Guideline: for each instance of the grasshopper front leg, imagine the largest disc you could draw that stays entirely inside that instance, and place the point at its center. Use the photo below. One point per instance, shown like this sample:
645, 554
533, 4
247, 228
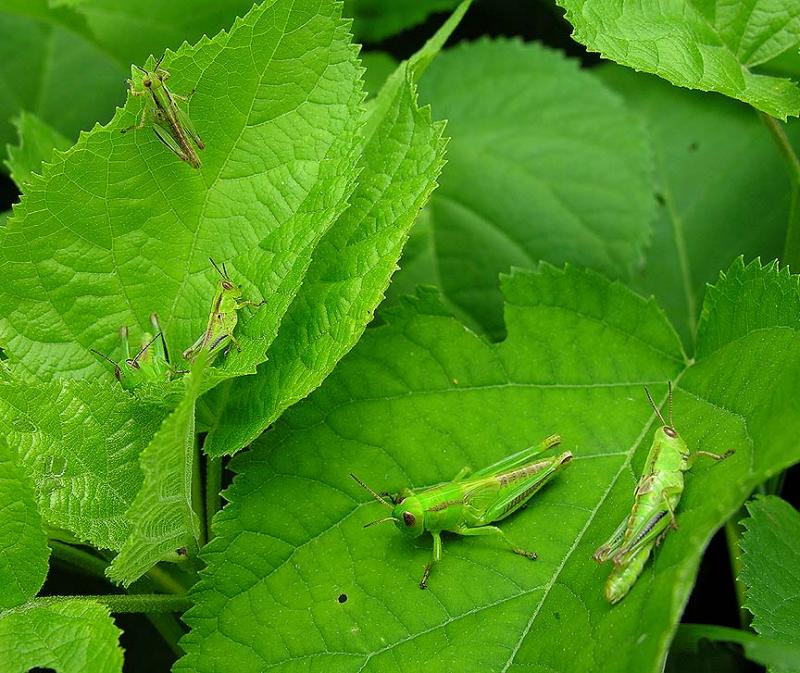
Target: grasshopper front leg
435, 558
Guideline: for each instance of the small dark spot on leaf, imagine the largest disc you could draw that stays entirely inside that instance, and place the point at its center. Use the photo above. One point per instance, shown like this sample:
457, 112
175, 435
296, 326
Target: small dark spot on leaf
660, 199
557, 615
693, 147
342, 598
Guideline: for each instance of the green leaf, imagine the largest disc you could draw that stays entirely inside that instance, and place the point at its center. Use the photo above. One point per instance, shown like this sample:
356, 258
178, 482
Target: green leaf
711, 45
295, 582
353, 263
777, 654
69, 637
770, 558
23, 544
50, 65
133, 30
162, 517
80, 441
717, 169
65, 60
36, 143
379, 19
530, 175
278, 105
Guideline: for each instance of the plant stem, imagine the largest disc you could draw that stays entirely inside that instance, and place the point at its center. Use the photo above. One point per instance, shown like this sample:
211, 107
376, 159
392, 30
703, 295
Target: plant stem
147, 603
79, 559
197, 491
213, 487
165, 581
791, 250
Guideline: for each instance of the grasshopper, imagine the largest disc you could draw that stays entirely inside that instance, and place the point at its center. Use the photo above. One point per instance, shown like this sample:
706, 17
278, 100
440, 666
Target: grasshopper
172, 125
468, 505
149, 365
223, 318
656, 498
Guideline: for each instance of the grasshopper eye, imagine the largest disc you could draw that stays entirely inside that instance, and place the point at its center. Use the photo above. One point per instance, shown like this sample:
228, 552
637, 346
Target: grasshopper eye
409, 519
669, 432
147, 82
227, 285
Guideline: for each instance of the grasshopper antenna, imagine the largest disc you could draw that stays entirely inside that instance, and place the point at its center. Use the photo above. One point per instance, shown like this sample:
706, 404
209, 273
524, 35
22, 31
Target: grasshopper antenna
373, 494
117, 370
655, 408
372, 523
669, 386
134, 361
222, 272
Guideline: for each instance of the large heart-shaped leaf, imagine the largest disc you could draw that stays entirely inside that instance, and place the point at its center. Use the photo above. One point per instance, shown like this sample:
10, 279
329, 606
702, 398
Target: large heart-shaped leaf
711, 45
544, 163
294, 581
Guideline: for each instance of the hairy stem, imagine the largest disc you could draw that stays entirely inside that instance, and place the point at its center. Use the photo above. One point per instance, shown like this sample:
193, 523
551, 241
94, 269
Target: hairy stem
146, 603
213, 487
791, 251
77, 558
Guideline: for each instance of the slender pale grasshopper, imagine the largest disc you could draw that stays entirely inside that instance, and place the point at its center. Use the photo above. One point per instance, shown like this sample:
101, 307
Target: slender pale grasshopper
656, 498
223, 318
171, 125
468, 505
149, 365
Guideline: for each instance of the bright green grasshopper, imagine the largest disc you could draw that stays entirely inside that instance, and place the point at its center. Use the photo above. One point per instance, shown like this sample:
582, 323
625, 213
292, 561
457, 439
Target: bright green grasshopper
223, 318
656, 497
469, 505
149, 365
171, 125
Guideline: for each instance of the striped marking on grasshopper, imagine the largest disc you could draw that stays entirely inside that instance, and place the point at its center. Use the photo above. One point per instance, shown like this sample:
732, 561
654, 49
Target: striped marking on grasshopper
656, 498
468, 505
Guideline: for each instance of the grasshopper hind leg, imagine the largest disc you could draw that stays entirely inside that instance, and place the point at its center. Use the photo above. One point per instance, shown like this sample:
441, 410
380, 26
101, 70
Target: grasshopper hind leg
494, 530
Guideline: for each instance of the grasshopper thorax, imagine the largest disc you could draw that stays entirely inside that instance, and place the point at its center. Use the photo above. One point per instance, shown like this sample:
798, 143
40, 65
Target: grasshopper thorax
409, 516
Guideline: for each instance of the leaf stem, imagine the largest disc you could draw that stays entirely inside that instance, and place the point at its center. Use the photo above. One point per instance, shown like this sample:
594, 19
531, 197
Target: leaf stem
791, 250
213, 487
165, 581
127, 603
197, 492
79, 559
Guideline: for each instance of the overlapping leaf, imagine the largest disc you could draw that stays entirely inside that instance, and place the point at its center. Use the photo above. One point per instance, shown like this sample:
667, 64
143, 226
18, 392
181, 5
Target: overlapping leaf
717, 170
162, 517
352, 265
23, 545
545, 163
770, 558
294, 580
71, 636
119, 227
80, 442
378, 19
712, 45
35, 145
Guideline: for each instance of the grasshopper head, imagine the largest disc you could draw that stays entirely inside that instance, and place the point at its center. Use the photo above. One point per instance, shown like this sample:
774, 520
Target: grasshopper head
226, 285
409, 516
669, 435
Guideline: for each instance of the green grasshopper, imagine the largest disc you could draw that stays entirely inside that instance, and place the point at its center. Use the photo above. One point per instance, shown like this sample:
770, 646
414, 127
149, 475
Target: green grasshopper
149, 365
656, 497
172, 125
223, 318
468, 505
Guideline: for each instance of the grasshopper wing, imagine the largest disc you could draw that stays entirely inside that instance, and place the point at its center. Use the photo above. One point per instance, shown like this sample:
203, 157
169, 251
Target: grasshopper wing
479, 497
516, 459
